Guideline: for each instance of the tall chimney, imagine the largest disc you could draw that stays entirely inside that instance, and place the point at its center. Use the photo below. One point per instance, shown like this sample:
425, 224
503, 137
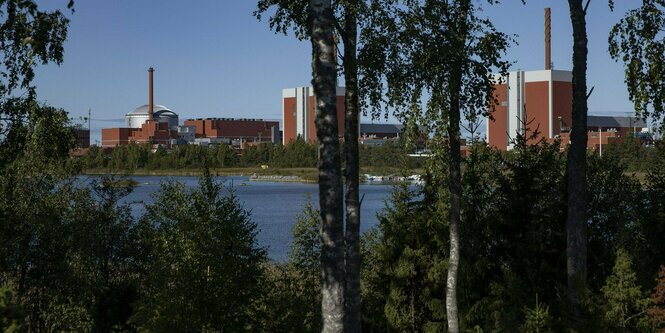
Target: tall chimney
151, 105
548, 40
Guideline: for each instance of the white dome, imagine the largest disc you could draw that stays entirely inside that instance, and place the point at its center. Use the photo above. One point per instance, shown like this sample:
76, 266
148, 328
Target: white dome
161, 114
143, 109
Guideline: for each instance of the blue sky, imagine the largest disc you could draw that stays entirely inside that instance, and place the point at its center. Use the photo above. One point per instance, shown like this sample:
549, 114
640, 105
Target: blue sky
214, 59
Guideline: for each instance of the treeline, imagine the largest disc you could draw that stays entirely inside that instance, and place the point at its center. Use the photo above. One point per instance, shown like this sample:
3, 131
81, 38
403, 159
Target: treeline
634, 154
298, 154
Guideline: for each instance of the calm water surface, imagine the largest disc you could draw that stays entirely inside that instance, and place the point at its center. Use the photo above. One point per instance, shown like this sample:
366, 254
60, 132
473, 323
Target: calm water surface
273, 206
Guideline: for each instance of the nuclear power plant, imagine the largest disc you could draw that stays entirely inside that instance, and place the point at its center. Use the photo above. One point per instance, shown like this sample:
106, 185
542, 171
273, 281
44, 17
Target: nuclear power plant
158, 125
540, 102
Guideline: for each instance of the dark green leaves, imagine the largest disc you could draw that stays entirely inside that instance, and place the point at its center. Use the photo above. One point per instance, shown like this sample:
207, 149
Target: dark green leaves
637, 41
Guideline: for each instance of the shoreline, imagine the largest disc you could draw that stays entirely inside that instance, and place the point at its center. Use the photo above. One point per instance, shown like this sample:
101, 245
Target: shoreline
284, 175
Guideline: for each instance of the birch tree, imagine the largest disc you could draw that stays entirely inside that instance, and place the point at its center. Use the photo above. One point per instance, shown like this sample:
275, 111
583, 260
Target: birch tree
324, 74
637, 41
441, 52
296, 16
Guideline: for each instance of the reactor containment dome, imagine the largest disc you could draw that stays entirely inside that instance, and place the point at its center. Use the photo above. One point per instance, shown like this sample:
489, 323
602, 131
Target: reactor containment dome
161, 114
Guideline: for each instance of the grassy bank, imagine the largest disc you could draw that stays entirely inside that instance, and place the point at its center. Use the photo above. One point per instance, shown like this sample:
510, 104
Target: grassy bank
306, 174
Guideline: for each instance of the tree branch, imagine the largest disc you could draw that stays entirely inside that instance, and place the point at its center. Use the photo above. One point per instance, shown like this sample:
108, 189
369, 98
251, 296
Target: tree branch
590, 92
586, 6
342, 33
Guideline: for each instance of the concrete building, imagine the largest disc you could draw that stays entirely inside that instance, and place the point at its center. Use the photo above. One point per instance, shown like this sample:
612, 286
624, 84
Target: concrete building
298, 107
186, 134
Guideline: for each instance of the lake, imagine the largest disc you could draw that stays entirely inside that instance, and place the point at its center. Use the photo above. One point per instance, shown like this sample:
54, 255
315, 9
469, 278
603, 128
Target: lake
273, 205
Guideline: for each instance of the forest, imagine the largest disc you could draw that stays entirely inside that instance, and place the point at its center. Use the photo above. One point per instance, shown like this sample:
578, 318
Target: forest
543, 238
297, 154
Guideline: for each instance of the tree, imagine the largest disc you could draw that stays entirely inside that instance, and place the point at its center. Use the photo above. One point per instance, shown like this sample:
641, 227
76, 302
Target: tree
292, 14
291, 297
349, 34
637, 41
330, 175
28, 36
106, 255
10, 315
576, 224
657, 310
626, 305
304, 260
316, 20
205, 264
412, 262
443, 52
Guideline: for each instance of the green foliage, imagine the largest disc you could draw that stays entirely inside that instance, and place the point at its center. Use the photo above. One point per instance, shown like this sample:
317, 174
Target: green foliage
291, 299
11, 315
205, 266
297, 154
106, 254
35, 234
373, 283
306, 246
626, 304
631, 154
638, 42
29, 36
435, 49
657, 310
413, 262
537, 319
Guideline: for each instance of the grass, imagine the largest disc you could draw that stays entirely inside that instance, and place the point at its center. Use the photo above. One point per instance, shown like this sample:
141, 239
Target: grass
306, 174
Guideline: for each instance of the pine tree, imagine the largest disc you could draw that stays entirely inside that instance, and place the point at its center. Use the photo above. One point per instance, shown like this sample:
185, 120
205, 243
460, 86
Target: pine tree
626, 304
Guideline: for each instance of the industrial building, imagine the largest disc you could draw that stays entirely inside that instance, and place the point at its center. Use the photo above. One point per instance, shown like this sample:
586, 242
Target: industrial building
82, 137
298, 110
145, 125
235, 132
540, 102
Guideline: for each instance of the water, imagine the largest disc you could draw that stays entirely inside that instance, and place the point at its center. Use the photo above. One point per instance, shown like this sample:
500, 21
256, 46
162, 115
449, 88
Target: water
273, 206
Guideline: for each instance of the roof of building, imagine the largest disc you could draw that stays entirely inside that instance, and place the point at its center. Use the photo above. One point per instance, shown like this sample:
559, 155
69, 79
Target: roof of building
615, 121
381, 128
143, 110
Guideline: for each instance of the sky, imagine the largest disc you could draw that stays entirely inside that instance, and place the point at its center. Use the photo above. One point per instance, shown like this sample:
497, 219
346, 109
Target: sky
213, 58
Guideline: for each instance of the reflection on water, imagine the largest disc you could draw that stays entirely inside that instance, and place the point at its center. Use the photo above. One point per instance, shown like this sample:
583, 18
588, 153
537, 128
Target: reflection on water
273, 206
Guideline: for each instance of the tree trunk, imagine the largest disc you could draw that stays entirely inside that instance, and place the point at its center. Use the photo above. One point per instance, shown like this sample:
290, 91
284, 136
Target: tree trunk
576, 245
455, 200
352, 292
455, 86
330, 175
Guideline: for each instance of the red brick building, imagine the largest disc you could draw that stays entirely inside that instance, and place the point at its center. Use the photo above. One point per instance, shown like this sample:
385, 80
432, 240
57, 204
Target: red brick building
151, 131
528, 102
298, 107
82, 136
236, 131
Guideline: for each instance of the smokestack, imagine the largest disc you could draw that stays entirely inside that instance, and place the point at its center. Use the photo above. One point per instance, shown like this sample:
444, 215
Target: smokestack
548, 40
151, 105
